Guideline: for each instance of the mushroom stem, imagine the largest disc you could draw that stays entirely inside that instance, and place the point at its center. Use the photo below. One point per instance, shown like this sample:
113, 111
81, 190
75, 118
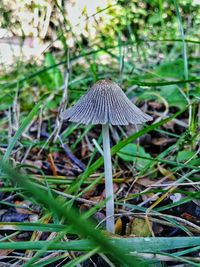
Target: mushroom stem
110, 224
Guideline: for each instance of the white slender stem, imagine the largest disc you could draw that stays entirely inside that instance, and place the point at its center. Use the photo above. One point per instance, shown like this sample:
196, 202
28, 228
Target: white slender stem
110, 223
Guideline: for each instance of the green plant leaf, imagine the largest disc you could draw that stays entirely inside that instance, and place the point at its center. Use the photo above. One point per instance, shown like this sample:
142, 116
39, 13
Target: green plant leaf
173, 96
174, 68
185, 155
188, 155
55, 75
128, 153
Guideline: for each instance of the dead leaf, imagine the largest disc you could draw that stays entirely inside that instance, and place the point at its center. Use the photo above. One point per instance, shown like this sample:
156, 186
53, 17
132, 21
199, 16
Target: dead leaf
166, 173
21, 210
118, 226
138, 227
162, 141
145, 181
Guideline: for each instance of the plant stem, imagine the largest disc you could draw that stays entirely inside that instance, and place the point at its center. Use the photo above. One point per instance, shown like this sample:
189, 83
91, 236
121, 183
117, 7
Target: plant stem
110, 224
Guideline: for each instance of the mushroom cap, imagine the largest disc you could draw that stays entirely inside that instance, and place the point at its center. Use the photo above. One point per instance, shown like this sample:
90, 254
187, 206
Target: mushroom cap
105, 102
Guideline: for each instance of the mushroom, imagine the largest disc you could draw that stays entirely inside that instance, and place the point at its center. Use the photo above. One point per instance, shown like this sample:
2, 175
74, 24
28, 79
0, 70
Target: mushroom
105, 103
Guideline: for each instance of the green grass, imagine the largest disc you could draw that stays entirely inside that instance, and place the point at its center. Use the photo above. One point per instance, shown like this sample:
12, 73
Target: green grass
154, 56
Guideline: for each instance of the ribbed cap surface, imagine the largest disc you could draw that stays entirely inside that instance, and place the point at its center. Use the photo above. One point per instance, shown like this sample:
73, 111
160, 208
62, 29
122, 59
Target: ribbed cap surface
105, 102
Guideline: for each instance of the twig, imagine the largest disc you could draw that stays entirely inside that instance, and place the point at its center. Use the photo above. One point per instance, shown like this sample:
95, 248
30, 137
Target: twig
26, 154
39, 123
52, 164
79, 199
156, 256
76, 161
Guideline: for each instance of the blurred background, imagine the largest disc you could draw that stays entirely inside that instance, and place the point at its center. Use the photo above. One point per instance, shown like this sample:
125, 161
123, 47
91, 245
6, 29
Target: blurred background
126, 40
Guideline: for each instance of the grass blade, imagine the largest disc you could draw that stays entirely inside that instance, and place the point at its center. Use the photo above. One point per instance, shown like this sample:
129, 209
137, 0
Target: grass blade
139, 244
21, 129
82, 226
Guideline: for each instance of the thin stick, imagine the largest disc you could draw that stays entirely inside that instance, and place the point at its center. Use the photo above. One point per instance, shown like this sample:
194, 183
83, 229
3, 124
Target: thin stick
110, 224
